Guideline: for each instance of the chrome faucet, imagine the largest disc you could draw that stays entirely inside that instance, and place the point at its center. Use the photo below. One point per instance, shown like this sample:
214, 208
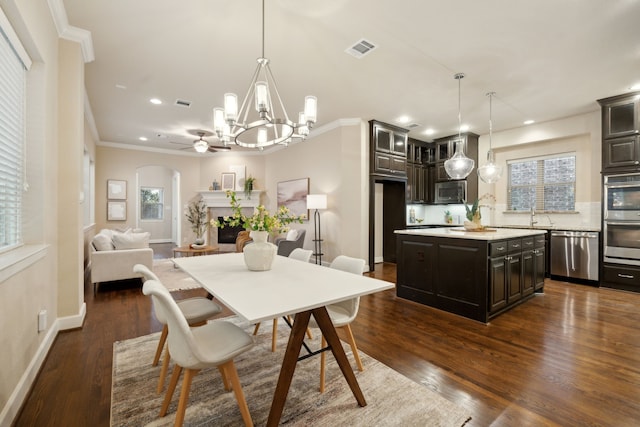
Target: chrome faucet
533, 215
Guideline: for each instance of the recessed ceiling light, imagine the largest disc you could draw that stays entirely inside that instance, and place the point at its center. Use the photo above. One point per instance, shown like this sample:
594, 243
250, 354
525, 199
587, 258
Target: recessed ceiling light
155, 101
635, 86
123, 87
429, 131
464, 128
403, 119
529, 122
143, 138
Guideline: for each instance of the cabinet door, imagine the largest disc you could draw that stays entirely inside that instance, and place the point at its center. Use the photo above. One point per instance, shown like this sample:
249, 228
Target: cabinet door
621, 152
540, 257
383, 139
497, 284
399, 146
528, 272
514, 279
410, 183
441, 173
621, 118
443, 150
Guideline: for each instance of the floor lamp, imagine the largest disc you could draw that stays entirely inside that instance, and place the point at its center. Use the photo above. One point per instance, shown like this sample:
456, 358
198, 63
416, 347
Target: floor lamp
317, 201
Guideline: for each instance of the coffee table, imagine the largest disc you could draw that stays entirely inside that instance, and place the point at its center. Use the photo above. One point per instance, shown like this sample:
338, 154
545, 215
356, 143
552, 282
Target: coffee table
189, 251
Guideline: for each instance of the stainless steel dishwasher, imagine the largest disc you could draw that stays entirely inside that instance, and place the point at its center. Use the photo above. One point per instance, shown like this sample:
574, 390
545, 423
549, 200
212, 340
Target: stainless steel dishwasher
574, 254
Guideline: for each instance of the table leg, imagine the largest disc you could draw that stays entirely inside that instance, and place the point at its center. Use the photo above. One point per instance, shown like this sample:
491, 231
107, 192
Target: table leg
290, 360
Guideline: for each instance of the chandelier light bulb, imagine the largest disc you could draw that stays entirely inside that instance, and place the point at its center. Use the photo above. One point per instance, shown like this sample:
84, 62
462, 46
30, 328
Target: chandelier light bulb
262, 97
310, 108
230, 107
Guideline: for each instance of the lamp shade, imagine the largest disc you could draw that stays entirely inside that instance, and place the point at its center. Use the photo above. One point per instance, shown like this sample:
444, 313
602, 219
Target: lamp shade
316, 201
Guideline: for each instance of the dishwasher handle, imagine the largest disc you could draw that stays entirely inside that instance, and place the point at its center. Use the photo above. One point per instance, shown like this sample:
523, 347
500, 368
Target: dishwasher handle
583, 234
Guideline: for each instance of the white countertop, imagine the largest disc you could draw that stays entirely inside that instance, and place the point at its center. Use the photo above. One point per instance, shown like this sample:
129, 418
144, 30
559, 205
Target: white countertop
461, 233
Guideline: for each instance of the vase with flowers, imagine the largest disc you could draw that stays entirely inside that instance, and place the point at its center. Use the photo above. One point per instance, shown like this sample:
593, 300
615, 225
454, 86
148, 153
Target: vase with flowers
258, 255
474, 215
197, 217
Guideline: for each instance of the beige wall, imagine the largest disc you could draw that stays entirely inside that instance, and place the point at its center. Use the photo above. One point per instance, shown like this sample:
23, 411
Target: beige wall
35, 277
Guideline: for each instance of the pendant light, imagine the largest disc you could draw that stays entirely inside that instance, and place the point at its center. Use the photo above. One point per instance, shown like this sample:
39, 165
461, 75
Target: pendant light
459, 166
490, 172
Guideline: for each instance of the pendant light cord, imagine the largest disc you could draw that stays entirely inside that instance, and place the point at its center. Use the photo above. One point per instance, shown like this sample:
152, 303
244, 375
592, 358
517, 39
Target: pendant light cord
490, 95
263, 28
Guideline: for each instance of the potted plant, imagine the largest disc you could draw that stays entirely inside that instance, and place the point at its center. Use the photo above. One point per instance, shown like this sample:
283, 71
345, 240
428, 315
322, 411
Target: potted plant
248, 186
448, 219
197, 217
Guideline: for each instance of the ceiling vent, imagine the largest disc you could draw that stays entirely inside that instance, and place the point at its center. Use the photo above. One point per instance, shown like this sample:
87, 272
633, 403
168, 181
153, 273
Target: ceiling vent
413, 125
361, 48
183, 103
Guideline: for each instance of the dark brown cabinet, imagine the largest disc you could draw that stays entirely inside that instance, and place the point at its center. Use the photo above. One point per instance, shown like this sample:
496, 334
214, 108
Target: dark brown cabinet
621, 132
388, 149
533, 264
418, 179
621, 153
505, 274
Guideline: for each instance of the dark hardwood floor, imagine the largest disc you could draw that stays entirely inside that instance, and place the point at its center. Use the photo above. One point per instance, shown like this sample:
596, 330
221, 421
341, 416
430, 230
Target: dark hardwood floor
568, 357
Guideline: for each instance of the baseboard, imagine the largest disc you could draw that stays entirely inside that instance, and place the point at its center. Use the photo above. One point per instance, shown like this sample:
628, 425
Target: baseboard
378, 259
20, 393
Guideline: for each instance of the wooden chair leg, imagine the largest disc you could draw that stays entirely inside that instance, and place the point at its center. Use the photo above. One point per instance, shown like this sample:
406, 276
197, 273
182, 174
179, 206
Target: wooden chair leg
177, 370
164, 369
323, 359
225, 381
230, 369
184, 395
354, 349
255, 330
274, 336
309, 333
163, 339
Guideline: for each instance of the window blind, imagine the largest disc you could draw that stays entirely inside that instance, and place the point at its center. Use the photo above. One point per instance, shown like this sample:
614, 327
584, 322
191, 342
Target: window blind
12, 135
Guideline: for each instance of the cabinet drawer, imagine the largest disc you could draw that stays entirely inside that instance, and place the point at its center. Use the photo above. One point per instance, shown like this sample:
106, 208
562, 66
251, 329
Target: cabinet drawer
498, 249
527, 243
539, 241
626, 276
514, 245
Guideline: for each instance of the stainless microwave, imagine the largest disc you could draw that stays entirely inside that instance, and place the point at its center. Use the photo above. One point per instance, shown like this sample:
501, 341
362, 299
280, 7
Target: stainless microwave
451, 191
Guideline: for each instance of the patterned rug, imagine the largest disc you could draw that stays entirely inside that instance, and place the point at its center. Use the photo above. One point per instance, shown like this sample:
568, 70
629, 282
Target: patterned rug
171, 277
392, 399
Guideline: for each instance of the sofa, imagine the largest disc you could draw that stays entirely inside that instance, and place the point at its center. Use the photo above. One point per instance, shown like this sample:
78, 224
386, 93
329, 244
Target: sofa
114, 253
294, 239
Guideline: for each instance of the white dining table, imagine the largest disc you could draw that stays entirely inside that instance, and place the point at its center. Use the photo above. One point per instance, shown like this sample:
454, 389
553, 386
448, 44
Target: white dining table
290, 287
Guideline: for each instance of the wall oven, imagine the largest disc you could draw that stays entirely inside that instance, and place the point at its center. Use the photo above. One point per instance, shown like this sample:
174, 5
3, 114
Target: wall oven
451, 192
621, 220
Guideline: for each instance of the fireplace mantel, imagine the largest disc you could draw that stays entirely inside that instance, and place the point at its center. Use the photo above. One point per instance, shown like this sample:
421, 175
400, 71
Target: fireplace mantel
219, 199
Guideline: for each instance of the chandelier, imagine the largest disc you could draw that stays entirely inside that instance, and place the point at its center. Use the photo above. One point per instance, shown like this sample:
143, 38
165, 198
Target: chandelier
490, 172
459, 166
262, 120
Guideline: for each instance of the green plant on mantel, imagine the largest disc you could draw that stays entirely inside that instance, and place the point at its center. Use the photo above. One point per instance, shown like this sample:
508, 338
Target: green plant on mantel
248, 186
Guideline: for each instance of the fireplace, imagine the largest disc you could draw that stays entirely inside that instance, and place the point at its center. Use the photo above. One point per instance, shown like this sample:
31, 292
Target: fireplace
229, 233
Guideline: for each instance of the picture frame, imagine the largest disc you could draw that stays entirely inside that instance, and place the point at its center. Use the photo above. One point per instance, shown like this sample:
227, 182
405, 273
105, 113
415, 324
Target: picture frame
228, 181
116, 189
116, 211
293, 195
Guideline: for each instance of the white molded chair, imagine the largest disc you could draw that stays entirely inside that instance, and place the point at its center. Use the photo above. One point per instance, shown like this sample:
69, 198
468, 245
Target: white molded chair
196, 310
214, 344
299, 254
343, 313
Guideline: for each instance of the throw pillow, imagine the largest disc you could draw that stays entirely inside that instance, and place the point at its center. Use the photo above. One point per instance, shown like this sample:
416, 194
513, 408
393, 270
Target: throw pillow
131, 240
292, 235
102, 242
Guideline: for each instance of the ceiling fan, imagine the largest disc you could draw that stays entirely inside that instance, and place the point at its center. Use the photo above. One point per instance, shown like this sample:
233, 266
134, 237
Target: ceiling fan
200, 144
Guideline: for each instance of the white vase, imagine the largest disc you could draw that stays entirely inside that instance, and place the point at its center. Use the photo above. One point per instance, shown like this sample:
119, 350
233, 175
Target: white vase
259, 255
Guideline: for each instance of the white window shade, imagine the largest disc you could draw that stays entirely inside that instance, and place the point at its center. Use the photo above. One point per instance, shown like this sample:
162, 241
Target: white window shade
12, 136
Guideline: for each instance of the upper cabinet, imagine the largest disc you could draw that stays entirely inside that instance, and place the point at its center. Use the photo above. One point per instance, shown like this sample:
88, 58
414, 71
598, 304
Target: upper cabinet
621, 132
388, 149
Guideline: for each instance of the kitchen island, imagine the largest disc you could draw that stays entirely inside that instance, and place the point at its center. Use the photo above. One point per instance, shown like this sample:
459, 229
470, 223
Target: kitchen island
473, 274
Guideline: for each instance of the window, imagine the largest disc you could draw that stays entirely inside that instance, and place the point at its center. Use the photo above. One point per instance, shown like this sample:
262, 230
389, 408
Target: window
151, 202
544, 183
13, 66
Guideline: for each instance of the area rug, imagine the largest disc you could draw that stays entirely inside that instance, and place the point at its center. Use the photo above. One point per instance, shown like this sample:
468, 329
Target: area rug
392, 399
171, 277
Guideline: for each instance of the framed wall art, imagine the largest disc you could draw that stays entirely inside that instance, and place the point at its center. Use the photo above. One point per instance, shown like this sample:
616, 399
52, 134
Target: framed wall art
116, 211
228, 181
293, 195
116, 189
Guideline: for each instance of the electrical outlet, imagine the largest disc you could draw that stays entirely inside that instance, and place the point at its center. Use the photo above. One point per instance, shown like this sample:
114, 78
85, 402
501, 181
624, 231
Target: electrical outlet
42, 320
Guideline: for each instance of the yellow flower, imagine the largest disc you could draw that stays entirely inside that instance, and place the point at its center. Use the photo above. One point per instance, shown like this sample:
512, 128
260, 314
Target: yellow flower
261, 220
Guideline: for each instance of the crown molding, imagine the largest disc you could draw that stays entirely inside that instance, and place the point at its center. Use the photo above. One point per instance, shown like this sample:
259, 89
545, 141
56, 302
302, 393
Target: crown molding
69, 32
